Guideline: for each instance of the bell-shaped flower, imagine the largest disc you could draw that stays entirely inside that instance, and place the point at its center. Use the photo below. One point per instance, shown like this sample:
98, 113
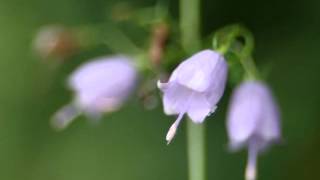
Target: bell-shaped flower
99, 86
253, 121
194, 88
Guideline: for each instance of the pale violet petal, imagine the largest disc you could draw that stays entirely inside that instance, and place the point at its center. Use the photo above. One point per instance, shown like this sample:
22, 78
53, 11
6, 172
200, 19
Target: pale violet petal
196, 72
253, 114
175, 98
198, 108
243, 116
217, 83
102, 84
269, 127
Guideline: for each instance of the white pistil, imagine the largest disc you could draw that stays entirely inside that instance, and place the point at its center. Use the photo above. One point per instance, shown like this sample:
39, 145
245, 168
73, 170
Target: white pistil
173, 129
64, 116
251, 172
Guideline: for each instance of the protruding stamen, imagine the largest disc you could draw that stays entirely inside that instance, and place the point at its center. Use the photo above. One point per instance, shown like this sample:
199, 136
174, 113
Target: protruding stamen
171, 133
64, 116
251, 172
173, 129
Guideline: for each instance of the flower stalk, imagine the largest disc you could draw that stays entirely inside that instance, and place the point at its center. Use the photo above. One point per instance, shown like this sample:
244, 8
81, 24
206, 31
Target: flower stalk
225, 41
190, 37
196, 150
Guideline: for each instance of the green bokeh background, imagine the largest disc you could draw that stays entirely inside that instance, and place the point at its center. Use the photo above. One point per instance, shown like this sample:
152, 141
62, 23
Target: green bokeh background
130, 144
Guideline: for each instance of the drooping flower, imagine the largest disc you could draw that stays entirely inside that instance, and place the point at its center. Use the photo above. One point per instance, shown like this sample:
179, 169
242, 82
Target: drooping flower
253, 121
194, 88
100, 86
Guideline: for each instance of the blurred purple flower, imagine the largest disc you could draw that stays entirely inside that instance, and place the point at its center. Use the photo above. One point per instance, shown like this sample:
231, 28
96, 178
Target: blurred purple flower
99, 86
253, 120
195, 87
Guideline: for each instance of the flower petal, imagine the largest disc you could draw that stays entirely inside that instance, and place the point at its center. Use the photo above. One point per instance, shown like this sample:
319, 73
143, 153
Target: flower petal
196, 72
175, 98
253, 114
244, 115
198, 108
101, 74
269, 127
218, 83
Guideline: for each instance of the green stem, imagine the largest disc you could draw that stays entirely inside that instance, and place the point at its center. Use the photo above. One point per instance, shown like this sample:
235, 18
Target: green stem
190, 37
230, 35
190, 25
196, 150
249, 67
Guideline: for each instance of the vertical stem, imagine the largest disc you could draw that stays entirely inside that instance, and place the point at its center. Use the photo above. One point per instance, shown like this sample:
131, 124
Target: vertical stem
190, 24
196, 150
190, 37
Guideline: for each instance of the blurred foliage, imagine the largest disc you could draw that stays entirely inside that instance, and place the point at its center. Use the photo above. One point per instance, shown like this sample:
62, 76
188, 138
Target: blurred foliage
130, 144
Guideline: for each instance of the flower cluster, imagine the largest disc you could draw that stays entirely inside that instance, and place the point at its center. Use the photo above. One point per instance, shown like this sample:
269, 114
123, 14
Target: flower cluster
193, 89
196, 86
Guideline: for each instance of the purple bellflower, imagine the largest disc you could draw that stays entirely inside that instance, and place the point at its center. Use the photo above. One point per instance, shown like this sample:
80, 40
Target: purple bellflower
253, 121
100, 86
194, 88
